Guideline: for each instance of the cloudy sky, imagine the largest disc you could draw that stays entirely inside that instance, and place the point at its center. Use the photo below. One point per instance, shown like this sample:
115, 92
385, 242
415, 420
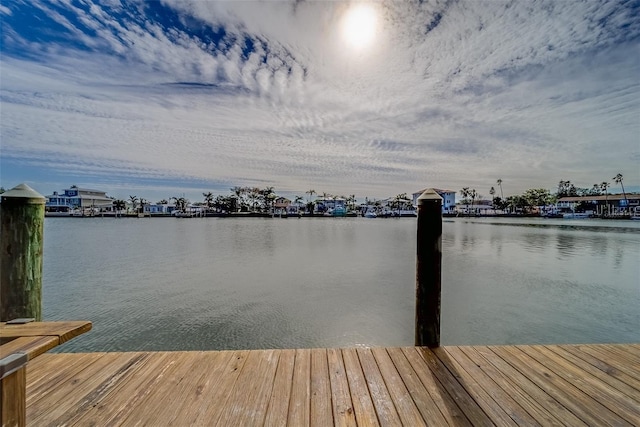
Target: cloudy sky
172, 97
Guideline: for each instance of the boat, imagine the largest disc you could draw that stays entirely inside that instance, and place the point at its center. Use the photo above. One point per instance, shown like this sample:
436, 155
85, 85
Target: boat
339, 211
576, 215
182, 214
402, 213
370, 214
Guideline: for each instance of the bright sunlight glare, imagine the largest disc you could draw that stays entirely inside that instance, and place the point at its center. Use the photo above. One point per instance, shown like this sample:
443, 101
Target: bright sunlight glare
359, 25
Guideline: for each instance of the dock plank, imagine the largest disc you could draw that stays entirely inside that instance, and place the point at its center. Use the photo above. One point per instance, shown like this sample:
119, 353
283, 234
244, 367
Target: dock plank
321, 414
470, 385
512, 387
48, 388
299, 404
456, 390
594, 370
362, 403
46, 379
123, 393
210, 388
441, 397
615, 401
387, 414
604, 366
42, 370
222, 382
173, 393
248, 401
485, 385
586, 408
613, 360
421, 398
278, 409
529, 387
343, 412
474, 387
632, 348
624, 352
400, 396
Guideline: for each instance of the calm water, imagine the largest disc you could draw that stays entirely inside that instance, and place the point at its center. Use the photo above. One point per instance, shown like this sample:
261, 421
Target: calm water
196, 284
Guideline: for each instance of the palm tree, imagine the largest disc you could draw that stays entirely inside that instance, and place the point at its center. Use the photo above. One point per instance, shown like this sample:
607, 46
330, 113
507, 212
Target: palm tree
119, 205
618, 180
268, 195
239, 193
492, 192
466, 193
142, 203
399, 200
208, 199
310, 193
499, 182
134, 202
604, 187
474, 194
181, 203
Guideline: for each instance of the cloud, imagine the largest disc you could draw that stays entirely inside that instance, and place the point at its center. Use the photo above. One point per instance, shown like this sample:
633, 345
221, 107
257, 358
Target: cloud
451, 94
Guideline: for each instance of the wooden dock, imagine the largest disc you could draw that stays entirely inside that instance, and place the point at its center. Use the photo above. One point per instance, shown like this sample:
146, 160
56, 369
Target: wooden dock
572, 385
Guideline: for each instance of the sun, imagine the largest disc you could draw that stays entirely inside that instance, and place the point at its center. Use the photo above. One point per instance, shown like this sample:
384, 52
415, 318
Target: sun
359, 25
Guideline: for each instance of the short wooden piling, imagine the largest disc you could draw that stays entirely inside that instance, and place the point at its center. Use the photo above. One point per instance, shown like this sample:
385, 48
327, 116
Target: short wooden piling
428, 269
13, 386
21, 237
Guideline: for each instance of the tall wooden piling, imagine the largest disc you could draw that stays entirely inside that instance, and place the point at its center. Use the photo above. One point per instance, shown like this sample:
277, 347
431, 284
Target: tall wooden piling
21, 237
428, 269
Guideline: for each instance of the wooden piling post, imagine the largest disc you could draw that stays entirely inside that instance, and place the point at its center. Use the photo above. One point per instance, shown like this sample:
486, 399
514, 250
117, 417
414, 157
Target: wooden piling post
21, 237
428, 269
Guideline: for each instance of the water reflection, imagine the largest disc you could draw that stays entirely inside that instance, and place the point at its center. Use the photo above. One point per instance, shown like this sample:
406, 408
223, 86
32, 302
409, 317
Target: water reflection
271, 283
566, 244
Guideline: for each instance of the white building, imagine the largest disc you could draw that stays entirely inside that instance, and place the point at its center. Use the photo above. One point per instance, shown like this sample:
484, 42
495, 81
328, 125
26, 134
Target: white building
448, 199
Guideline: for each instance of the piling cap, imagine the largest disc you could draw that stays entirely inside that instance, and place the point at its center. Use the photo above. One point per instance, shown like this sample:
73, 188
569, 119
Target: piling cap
430, 194
22, 193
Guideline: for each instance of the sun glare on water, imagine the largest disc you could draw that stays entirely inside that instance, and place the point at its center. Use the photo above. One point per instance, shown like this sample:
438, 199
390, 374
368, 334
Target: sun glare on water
359, 25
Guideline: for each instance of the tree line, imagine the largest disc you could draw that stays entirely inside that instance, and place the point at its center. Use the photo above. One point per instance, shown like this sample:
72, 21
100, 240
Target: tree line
256, 200
535, 197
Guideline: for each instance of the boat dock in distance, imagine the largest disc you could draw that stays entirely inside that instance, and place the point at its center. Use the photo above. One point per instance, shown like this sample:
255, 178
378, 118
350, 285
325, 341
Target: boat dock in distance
574, 385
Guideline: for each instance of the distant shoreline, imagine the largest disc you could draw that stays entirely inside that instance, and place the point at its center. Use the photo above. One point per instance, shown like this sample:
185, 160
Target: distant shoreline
305, 215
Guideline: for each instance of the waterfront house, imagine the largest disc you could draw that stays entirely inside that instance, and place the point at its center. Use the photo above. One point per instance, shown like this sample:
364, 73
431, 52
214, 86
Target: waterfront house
281, 205
611, 204
82, 199
479, 207
159, 208
394, 206
448, 199
329, 204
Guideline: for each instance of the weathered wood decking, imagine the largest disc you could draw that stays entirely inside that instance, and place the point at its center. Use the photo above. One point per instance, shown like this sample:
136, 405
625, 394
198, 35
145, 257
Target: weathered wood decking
480, 385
